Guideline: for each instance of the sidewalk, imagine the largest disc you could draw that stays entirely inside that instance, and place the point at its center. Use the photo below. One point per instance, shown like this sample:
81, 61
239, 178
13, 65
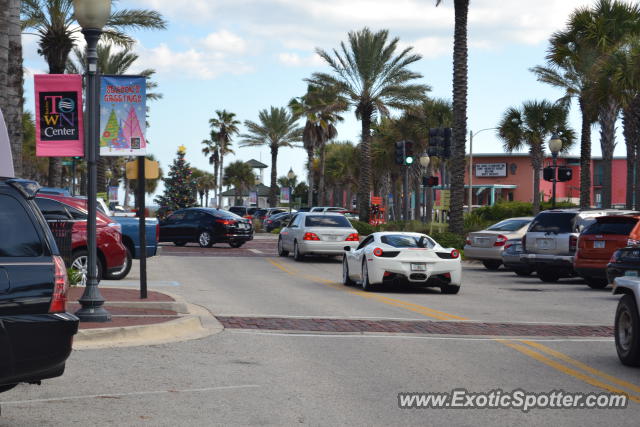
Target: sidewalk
158, 319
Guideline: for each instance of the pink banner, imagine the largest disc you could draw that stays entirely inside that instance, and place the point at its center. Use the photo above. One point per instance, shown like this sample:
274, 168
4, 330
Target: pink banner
59, 124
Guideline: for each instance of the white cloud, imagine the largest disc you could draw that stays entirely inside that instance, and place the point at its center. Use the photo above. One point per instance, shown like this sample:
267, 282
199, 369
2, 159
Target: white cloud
295, 60
225, 41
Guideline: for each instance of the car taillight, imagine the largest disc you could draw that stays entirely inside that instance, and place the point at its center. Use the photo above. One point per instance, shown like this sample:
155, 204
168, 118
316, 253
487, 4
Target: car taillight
633, 242
353, 237
500, 240
269, 221
310, 236
468, 240
378, 252
573, 243
225, 221
455, 254
61, 284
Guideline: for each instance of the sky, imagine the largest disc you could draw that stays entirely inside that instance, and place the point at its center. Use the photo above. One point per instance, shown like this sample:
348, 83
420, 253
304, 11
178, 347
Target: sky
247, 55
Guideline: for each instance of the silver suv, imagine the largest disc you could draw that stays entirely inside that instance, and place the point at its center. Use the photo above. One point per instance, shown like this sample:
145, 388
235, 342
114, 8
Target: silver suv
552, 238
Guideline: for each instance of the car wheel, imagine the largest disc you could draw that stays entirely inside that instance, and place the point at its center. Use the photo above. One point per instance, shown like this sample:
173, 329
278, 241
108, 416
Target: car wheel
366, 284
523, 272
119, 275
179, 243
492, 265
281, 251
627, 333
296, 252
79, 263
346, 280
450, 289
548, 276
204, 239
236, 244
596, 282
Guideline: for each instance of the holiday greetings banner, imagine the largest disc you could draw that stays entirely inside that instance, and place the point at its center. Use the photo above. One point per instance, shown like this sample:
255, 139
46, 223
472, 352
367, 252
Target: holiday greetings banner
122, 116
59, 131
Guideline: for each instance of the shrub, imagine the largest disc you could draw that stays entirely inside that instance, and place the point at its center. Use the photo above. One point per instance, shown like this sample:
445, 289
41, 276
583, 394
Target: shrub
276, 230
363, 228
503, 210
257, 225
449, 240
74, 276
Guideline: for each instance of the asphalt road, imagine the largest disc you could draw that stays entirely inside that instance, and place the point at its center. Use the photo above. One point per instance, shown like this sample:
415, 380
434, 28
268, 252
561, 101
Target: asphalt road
253, 376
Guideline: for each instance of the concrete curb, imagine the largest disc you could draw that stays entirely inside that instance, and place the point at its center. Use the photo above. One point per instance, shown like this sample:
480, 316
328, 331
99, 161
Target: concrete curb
199, 323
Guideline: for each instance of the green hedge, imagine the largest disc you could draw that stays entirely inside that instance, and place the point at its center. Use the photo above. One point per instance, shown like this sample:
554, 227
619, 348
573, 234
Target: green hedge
449, 240
363, 228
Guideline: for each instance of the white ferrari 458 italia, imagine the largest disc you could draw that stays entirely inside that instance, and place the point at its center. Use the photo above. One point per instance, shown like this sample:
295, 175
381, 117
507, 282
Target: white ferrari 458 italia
401, 256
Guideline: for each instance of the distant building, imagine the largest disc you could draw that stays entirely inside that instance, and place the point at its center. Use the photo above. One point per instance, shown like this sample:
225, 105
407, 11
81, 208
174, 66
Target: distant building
509, 177
261, 190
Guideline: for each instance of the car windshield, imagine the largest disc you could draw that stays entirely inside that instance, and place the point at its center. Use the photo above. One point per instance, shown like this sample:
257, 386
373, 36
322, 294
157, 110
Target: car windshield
404, 241
509, 225
620, 226
554, 222
326, 221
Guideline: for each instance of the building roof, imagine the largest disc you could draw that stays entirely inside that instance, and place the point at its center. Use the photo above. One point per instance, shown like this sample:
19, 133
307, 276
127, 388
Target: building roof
256, 164
263, 191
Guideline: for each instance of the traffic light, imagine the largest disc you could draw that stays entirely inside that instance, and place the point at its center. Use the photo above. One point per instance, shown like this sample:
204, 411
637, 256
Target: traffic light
548, 173
430, 181
446, 152
565, 173
408, 153
400, 153
436, 140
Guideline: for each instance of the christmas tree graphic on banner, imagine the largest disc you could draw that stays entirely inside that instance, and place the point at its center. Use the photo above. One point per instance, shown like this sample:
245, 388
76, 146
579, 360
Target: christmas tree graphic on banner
110, 132
132, 132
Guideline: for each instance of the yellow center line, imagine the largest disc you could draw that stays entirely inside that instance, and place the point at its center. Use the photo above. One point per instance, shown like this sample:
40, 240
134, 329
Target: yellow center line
582, 366
426, 311
566, 370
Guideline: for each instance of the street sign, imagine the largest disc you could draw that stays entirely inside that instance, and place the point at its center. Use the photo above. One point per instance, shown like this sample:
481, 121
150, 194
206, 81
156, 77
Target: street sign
151, 169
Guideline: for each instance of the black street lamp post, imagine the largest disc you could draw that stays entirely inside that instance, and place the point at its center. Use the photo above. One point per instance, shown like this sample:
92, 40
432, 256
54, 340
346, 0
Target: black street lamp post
555, 145
92, 16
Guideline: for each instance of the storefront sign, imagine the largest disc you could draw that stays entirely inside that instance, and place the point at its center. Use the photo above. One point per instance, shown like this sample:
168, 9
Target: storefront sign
491, 169
122, 116
59, 127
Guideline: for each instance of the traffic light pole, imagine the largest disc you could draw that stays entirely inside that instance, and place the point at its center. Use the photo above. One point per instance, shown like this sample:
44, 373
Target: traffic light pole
405, 192
555, 179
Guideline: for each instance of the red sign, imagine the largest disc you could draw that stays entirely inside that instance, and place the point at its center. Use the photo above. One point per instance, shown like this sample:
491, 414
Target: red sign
59, 124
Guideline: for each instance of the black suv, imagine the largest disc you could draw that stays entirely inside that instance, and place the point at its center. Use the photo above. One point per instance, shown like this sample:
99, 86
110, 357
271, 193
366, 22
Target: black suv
36, 332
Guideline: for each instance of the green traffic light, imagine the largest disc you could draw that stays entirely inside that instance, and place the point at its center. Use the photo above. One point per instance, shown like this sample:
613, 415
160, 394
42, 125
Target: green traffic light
408, 160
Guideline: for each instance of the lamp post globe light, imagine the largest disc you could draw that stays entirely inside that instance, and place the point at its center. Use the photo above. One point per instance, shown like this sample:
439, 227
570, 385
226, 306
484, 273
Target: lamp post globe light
555, 145
92, 15
291, 174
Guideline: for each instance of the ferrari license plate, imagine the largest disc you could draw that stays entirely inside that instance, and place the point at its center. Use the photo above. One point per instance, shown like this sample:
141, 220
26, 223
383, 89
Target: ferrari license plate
418, 267
598, 244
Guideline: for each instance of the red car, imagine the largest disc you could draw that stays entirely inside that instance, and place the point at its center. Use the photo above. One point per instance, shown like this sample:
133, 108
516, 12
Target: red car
111, 252
597, 243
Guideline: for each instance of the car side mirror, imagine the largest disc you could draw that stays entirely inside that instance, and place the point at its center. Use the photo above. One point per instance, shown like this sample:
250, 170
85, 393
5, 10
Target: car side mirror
347, 248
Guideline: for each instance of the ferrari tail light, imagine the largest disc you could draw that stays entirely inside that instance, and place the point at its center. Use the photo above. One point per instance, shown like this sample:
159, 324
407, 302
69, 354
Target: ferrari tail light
378, 252
353, 237
310, 236
455, 254
61, 284
573, 243
633, 242
500, 240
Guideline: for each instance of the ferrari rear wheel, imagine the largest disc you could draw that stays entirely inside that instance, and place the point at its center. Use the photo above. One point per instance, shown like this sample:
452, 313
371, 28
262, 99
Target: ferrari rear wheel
366, 284
346, 280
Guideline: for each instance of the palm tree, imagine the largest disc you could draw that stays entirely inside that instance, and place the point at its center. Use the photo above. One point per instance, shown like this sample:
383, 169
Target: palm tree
530, 126
56, 29
206, 183
460, 60
372, 78
569, 67
13, 85
321, 110
276, 129
342, 167
602, 29
240, 175
211, 151
224, 126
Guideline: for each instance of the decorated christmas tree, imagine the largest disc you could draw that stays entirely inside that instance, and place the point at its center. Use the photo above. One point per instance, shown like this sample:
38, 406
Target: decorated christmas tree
111, 130
179, 187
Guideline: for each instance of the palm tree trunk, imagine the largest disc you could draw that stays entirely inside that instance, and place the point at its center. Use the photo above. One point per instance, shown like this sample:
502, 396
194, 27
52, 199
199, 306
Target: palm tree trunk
608, 116
364, 183
13, 111
321, 184
220, 181
635, 120
585, 158
630, 142
536, 164
273, 191
456, 220
310, 177
429, 201
417, 191
215, 188
4, 53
